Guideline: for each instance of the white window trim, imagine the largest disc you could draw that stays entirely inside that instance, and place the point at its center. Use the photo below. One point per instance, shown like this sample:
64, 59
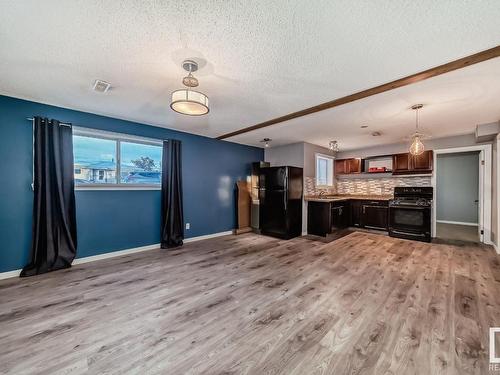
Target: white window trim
316, 155
118, 137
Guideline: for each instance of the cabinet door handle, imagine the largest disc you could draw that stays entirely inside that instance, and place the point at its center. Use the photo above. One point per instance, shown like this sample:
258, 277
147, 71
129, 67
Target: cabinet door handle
364, 209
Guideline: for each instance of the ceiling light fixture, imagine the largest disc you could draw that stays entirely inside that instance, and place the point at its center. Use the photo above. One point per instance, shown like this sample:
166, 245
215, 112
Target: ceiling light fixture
266, 141
363, 126
333, 146
187, 101
376, 134
417, 147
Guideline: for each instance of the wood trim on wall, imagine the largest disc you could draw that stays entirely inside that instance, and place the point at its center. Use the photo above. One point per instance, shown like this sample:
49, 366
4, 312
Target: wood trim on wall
408, 80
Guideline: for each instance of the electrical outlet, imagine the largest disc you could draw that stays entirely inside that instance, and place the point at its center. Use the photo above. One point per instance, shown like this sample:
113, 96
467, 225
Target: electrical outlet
188, 226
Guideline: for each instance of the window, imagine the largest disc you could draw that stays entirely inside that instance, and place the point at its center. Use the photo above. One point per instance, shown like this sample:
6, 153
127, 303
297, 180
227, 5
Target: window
324, 170
140, 163
115, 160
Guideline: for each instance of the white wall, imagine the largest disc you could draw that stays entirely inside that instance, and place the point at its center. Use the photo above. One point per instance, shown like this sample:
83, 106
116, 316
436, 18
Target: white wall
291, 155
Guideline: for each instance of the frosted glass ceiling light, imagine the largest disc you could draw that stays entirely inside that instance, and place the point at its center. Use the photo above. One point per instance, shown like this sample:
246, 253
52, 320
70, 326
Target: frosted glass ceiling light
417, 147
187, 101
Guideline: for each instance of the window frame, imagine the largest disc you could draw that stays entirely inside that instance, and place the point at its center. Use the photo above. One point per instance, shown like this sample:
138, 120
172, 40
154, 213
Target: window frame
118, 138
330, 181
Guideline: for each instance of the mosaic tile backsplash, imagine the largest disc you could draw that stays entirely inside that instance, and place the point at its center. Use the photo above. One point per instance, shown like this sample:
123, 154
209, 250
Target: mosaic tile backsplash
369, 186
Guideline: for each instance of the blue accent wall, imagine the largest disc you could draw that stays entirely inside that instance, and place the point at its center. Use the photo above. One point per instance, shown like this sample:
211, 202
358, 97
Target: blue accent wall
117, 219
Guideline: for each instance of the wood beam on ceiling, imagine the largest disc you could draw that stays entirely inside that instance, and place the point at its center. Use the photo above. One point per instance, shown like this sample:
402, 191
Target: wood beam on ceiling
408, 80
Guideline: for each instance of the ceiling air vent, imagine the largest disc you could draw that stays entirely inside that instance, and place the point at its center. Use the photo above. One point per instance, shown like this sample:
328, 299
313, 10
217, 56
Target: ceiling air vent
101, 86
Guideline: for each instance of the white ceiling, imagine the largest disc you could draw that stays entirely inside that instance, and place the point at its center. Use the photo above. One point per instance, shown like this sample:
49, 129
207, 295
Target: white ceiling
262, 59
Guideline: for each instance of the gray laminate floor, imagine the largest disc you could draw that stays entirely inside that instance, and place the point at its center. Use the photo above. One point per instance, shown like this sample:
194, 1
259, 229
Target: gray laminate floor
363, 304
457, 232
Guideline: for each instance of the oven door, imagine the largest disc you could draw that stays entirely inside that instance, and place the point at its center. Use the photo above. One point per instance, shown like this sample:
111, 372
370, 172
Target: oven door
410, 219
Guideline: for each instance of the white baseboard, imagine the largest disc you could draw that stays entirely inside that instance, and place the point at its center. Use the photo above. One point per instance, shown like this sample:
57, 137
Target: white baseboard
496, 248
112, 254
457, 223
207, 236
9, 274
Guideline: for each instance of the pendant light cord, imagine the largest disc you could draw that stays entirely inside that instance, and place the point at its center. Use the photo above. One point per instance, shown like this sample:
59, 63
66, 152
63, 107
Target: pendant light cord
416, 117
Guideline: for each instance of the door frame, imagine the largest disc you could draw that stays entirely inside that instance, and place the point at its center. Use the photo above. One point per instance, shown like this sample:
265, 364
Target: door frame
485, 186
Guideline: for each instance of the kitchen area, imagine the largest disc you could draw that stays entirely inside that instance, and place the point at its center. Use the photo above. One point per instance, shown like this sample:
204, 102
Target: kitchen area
391, 193
386, 195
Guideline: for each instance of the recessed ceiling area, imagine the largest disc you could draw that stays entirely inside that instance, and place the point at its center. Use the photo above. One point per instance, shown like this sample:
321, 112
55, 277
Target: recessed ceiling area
266, 59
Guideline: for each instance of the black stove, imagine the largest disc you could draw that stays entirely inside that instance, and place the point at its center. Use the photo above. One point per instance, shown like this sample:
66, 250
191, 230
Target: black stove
410, 213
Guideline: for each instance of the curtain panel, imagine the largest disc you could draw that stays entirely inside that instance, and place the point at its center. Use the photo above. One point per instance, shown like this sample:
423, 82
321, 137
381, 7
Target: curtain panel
54, 238
172, 219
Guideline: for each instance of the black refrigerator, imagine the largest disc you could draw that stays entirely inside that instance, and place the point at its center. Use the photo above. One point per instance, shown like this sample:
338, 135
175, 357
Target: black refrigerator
280, 196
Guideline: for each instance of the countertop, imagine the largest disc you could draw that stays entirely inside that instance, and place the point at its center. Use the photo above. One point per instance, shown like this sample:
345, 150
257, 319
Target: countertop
341, 197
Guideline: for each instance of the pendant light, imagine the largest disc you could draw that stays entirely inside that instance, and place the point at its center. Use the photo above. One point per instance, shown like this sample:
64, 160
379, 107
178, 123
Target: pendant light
187, 101
333, 146
266, 142
417, 147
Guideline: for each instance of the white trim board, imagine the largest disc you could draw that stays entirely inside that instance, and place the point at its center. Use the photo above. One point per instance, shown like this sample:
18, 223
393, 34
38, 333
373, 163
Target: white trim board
457, 223
496, 248
113, 254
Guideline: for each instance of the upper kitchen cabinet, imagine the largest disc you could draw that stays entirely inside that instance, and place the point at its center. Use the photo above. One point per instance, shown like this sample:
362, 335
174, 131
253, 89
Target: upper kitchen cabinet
340, 166
423, 163
348, 166
410, 164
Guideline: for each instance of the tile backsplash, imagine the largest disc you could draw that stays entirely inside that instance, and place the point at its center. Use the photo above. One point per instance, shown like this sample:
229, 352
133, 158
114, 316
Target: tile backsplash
311, 189
369, 186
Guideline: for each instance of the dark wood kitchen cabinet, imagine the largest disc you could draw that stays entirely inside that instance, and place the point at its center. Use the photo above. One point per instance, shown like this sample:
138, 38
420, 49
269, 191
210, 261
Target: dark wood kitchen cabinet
410, 164
374, 215
423, 163
356, 207
340, 214
324, 217
400, 163
319, 218
340, 166
348, 166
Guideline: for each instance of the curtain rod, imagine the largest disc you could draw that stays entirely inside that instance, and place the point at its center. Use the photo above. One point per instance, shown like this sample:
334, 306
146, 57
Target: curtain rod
68, 124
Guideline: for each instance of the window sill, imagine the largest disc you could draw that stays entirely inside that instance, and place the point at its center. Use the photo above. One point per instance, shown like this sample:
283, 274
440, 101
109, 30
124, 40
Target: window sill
117, 187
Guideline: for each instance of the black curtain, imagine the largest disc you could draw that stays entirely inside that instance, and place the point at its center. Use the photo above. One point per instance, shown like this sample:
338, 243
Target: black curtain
54, 223
172, 217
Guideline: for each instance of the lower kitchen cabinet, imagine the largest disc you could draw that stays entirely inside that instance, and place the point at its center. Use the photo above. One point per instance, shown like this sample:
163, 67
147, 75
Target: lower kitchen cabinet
325, 217
319, 218
340, 214
374, 215
356, 207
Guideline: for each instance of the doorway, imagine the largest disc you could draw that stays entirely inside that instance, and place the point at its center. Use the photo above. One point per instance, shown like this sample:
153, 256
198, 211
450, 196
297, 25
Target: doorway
462, 199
